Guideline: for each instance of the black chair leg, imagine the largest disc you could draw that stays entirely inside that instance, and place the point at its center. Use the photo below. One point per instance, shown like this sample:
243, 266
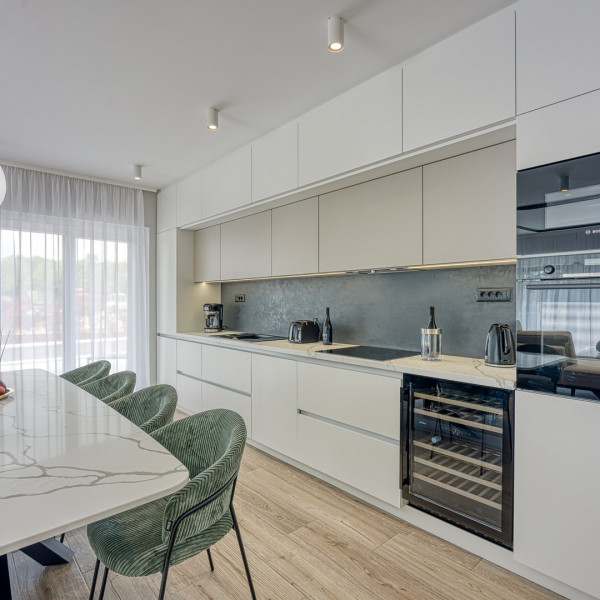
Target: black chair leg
62, 538
94, 580
241, 544
103, 586
212, 566
163, 582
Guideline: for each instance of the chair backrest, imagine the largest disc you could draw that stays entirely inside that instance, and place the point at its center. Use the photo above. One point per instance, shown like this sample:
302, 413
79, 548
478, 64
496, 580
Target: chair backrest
111, 388
210, 444
548, 342
150, 408
88, 373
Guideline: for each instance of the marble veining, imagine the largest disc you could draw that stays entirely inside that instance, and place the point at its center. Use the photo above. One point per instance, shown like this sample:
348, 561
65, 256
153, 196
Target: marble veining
67, 459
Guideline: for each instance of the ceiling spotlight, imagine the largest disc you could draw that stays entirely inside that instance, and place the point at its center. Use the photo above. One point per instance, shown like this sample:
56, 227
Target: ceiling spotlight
137, 172
2, 185
564, 183
335, 34
212, 118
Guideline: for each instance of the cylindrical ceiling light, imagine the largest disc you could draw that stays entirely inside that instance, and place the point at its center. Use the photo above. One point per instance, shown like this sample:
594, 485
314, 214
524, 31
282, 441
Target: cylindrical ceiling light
2, 185
137, 172
212, 118
335, 34
564, 183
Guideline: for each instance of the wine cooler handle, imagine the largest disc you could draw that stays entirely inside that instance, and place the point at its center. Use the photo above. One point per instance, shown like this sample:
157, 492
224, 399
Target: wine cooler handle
408, 396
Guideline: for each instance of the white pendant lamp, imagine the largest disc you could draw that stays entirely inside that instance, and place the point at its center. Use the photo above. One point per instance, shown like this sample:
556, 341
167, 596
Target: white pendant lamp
335, 34
212, 119
137, 172
2, 185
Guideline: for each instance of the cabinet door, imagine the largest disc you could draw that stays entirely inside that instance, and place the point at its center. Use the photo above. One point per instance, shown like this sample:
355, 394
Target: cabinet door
207, 254
246, 247
189, 192
373, 224
189, 358
295, 238
461, 84
217, 397
274, 406
359, 127
189, 394
559, 132
166, 209
557, 51
229, 368
166, 281
557, 486
469, 206
166, 360
275, 162
226, 184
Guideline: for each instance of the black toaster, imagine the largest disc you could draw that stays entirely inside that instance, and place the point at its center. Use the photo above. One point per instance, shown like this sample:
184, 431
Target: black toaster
304, 332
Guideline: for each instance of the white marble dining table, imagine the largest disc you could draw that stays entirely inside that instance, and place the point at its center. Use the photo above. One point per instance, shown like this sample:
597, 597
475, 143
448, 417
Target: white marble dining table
67, 459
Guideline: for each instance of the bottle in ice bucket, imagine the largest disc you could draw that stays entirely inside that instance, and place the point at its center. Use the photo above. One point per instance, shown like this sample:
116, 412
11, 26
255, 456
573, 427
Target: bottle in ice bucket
431, 339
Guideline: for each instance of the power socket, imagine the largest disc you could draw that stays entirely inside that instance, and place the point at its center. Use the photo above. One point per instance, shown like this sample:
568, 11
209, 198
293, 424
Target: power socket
494, 295
240, 297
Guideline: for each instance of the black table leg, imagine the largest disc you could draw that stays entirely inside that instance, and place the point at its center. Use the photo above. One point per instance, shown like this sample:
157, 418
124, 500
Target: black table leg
4, 578
49, 552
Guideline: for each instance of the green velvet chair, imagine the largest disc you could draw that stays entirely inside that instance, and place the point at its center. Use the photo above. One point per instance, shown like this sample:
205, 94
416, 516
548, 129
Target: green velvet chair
151, 538
111, 388
88, 373
150, 408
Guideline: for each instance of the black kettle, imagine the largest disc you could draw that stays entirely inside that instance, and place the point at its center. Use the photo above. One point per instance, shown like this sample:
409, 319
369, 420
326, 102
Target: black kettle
500, 346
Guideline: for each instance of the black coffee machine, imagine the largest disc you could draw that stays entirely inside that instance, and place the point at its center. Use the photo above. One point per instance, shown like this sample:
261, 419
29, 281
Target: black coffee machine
214, 318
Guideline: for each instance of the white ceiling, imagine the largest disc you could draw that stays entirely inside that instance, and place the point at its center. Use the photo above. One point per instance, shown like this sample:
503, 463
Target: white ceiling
92, 87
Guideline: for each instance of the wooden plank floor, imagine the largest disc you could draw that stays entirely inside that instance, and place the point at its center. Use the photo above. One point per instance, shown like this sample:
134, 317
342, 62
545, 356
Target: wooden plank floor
305, 540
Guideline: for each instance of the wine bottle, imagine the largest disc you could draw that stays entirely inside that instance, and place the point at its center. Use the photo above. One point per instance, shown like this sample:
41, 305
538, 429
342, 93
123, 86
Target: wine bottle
431, 324
327, 335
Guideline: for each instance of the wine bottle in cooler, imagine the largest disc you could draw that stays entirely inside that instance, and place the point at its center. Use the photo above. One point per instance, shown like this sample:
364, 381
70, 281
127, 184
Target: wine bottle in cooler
327, 335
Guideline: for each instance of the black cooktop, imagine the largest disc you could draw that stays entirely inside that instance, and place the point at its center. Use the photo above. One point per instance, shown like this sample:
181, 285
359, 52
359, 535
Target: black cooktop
371, 352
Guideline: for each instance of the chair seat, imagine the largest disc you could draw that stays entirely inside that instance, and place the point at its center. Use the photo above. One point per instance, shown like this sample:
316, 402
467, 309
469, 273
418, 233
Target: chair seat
129, 549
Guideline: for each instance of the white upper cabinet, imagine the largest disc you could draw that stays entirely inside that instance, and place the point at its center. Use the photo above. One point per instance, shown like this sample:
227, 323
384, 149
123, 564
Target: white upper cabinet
189, 191
166, 208
463, 83
246, 247
557, 51
226, 183
373, 224
166, 281
469, 206
359, 127
207, 254
295, 238
275, 162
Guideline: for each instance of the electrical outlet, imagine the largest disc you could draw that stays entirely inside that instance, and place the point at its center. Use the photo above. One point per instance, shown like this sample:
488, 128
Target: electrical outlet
240, 297
494, 295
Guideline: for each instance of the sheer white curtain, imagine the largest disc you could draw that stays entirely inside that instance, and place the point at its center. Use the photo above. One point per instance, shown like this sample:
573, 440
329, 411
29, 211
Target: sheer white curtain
73, 274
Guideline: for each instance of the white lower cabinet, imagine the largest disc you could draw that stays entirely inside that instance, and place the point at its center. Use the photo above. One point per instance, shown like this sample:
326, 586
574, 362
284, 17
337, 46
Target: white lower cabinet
228, 368
189, 358
349, 428
557, 486
274, 403
189, 394
214, 396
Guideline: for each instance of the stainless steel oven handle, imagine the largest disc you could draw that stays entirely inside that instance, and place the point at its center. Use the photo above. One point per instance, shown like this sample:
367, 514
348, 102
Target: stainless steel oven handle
564, 286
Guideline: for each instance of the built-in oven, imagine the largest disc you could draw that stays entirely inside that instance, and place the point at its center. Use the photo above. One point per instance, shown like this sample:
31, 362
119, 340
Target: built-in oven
558, 278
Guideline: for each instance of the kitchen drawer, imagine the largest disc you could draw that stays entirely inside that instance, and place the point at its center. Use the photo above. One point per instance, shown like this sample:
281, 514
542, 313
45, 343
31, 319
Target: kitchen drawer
189, 358
369, 402
364, 462
218, 397
230, 368
189, 394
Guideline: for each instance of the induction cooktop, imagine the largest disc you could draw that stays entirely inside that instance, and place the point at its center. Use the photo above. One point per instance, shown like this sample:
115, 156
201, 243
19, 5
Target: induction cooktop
371, 352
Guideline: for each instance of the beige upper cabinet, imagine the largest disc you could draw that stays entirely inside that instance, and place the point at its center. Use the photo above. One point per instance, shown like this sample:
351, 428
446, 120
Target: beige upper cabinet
246, 247
207, 254
557, 51
371, 225
359, 127
275, 162
469, 206
166, 208
226, 183
295, 238
461, 84
189, 191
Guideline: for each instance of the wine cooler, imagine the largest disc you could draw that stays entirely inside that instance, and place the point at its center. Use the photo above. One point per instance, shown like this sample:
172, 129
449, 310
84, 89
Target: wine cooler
457, 454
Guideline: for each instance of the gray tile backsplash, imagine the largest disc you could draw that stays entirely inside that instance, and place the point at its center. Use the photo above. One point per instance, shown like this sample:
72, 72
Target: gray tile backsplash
385, 309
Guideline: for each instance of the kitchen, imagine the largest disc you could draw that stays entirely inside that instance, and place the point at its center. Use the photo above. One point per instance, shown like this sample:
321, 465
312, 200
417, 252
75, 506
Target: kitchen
417, 209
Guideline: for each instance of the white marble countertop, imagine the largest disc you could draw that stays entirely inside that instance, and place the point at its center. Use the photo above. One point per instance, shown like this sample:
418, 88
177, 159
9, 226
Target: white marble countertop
67, 459
455, 368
